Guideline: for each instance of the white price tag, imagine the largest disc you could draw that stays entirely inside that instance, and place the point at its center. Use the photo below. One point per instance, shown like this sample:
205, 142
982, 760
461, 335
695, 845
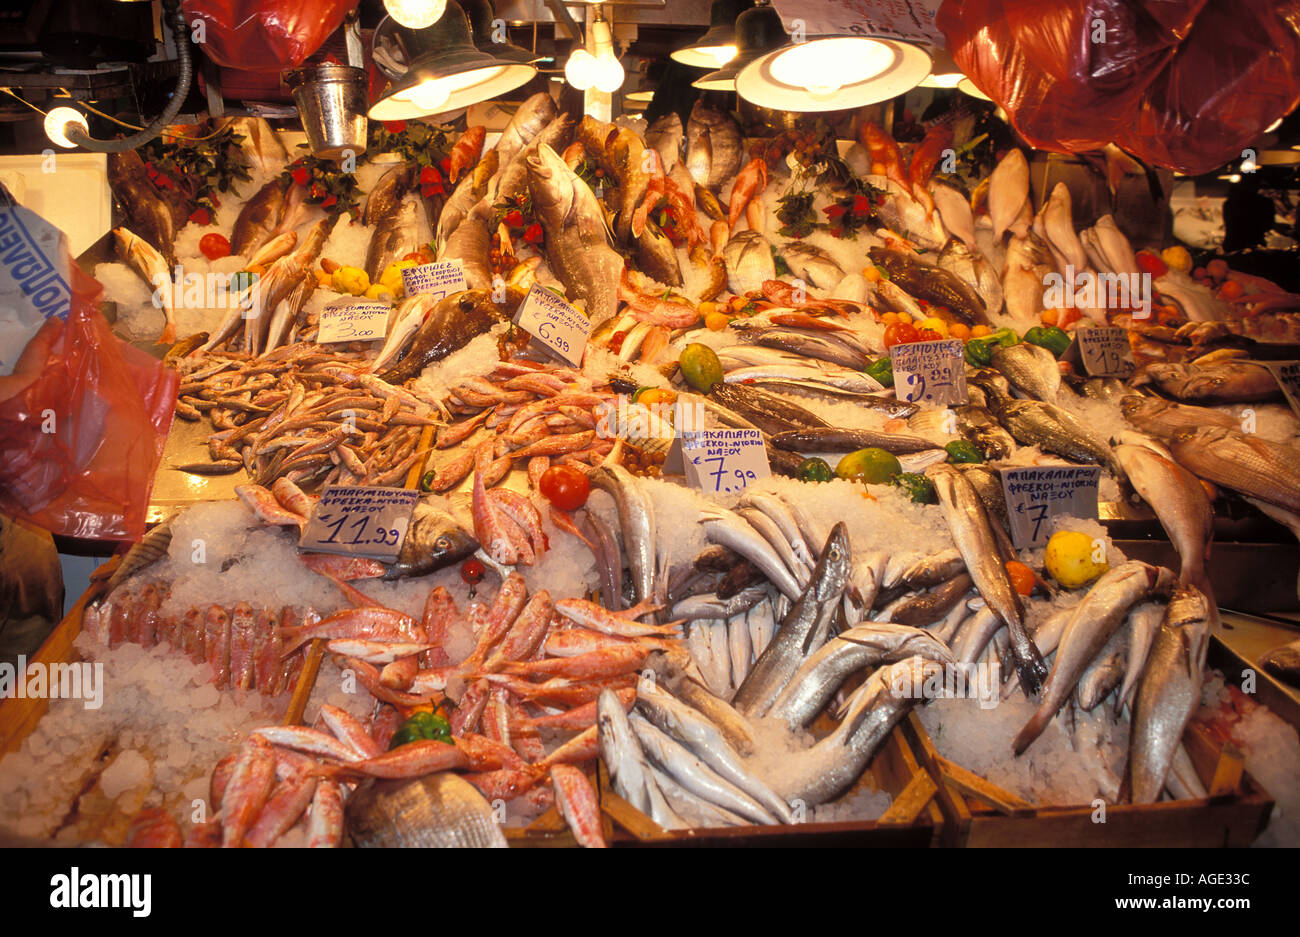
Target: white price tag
441, 278
360, 521
1288, 378
554, 323
352, 321
724, 461
932, 373
1105, 351
1038, 492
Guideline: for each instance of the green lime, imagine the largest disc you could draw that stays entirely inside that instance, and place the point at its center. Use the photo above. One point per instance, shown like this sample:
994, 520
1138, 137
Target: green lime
871, 465
815, 470
700, 366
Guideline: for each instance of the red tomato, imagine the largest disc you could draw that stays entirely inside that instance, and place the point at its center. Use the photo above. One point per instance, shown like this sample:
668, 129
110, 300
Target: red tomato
928, 335
414, 256
1151, 263
472, 571
301, 175
214, 245
1022, 577
900, 334
565, 487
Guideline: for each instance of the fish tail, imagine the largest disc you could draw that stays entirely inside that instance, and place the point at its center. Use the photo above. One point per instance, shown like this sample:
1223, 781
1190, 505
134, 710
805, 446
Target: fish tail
1031, 669
1032, 730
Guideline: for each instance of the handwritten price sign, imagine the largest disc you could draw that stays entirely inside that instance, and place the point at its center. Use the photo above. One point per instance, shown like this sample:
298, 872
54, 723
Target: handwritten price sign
1105, 351
442, 278
352, 321
360, 521
932, 373
560, 328
1039, 492
724, 461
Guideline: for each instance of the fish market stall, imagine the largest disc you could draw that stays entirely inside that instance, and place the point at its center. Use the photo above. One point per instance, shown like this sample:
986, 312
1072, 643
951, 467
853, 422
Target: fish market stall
777, 466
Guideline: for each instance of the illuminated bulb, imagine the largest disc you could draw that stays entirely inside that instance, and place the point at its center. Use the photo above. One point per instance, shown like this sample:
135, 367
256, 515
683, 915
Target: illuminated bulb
609, 74
720, 54
1273, 126
825, 66
943, 80
415, 14
57, 119
430, 95
580, 70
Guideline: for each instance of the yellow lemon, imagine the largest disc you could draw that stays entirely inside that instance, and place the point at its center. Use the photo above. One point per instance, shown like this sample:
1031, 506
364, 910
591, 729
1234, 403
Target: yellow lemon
1071, 560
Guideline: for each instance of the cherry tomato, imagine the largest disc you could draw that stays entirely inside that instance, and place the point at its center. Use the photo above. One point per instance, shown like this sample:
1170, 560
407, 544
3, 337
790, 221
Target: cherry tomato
1151, 263
214, 246
472, 571
928, 335
900, 334
1022, 577
565, 487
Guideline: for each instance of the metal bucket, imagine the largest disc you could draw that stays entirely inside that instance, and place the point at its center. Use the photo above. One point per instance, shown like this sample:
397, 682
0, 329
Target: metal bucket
331, 102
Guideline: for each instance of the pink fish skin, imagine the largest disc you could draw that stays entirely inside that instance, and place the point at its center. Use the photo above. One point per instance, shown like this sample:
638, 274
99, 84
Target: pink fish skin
577, 802
325, 826
251, 781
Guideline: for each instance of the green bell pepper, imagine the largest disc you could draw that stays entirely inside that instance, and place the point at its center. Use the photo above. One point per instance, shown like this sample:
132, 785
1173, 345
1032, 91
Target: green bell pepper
1050, 337
882, 370
918, 486
978, 353
961, 450
422, 726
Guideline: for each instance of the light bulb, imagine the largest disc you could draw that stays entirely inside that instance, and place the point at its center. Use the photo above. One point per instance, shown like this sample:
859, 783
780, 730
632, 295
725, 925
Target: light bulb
720, 54
415, 14
58, 118
429, 95
826, 65
609, 74
580, 70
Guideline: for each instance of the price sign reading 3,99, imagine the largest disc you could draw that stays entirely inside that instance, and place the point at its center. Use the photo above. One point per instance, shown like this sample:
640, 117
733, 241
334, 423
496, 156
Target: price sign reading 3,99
359, 521
931, 373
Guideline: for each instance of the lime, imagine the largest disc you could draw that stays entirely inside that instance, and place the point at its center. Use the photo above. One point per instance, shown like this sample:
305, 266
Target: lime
700, 366
1070, 559
871, 465
815, 470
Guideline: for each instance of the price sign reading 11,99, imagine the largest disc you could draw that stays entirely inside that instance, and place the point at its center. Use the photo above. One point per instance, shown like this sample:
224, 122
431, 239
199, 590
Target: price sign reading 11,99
932, 373
359, 521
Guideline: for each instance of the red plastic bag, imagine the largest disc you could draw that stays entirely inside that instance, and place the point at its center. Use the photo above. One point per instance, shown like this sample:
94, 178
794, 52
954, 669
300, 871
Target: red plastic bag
83, 421
1186, 84
264, 35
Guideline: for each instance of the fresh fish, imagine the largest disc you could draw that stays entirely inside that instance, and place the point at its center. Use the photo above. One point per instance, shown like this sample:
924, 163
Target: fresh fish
1164, 418
714, 148
812, 264
637, 519
277, 207
151, 265
1170, 692
511, 181
1231, 381
823, 348
528, 121
896, 299
440, 810
578, 244
1030, 369
665, 137
868, 645
769, 412
1027, 262
803, 630
688, 810
1143, 626
435, 540
817, 372
656, 257
1180, 503
1104, 673
955, 212
932, 284
706, 740
1055, 225
629, 772
468, 193
1095, 619
453, 323
1255, 467
829, 767
833, 439
708, 605
975, 271
922, 571
260, 146
405, 320
973, 535
1035, 423
748, 256
733, 726
902, 212
251, 781
934, 604
1009, 192
731, 530
889, 406
148, 215
471, 243
984, 432
693, 774
399, 231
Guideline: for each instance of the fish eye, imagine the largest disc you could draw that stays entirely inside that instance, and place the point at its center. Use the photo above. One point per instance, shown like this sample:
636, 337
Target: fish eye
442, 543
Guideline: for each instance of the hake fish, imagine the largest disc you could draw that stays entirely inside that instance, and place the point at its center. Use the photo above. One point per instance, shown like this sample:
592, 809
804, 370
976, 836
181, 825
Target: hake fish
578, 245
834, 439
1181, 505
1164, 418
802, 631
973, 535
1169, 693
1102, 611
533, 115
637, 520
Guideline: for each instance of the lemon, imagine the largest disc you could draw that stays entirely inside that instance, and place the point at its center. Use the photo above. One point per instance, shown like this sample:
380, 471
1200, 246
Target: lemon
1178, 258
1070, 559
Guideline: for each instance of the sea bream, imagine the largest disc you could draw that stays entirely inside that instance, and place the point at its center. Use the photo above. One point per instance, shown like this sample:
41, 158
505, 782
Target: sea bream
714, 148
277, 207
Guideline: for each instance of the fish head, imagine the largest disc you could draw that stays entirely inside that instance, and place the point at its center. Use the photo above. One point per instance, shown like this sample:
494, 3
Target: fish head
834, 565
435, 540
550, 182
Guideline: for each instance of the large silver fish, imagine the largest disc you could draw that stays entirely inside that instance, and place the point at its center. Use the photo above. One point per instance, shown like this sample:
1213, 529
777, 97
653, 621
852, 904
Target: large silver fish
629, 771
748, 257
803, 630
714, 148
665, 137
397, 233
1169, 694
1031, 369
1181, 505
440, 810
468, 192
1256, 467
637, 519
1164, 418
533, 115
812, 264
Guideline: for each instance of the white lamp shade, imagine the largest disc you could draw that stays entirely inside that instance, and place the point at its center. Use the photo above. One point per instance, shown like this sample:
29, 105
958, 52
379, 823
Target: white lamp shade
833, 73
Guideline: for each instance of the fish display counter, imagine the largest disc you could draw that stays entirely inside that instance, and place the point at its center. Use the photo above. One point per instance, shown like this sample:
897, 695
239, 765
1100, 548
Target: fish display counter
613, 483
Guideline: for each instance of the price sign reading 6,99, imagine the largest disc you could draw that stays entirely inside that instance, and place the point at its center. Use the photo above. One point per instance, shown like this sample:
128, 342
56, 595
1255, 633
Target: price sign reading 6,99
359, 521
932, 373
561, 329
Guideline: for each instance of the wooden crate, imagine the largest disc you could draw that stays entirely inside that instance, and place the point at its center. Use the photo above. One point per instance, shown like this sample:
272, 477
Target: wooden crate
978, 813
913, 819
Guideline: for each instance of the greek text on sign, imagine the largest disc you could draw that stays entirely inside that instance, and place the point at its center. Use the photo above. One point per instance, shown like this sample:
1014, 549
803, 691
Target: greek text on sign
1106, 351
351, 321
553, 322
930, 372
360, 521
724, 461
1039, 492
441, 278
1288, 378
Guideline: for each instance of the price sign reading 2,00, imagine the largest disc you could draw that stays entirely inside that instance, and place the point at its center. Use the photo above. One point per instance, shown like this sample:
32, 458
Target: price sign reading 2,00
742, 476
356, 532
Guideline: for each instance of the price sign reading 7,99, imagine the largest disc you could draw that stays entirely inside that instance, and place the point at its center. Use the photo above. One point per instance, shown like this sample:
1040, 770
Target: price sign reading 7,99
724, 461
359, 521
932, 373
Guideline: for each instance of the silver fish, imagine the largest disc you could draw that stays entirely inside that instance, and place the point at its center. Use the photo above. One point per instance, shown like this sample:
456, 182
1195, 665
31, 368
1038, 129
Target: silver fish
955, 212
1095, 619
714, 148
1169, 694
1181, 505
815, 346
620, 751
440, 810
748, 257
730, 723
1245, 463
1105, 673
691, 811
471, 244
260, 146
665, 137
708, 605
468, 192
1143, 626
397, 233
532, 117
812, 264
860, 647
731, 530
637, 519
1030, 368
1232, 381
1027, 262
803, 630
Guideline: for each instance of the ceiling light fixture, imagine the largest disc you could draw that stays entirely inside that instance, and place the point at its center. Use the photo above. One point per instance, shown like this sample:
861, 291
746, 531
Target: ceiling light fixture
833, 73
57, 122
719, 45
758, 31
601, 70
415, 14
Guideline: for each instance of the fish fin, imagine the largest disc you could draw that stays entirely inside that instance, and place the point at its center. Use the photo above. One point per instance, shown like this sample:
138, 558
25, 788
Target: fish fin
1032, 730
1031, 672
